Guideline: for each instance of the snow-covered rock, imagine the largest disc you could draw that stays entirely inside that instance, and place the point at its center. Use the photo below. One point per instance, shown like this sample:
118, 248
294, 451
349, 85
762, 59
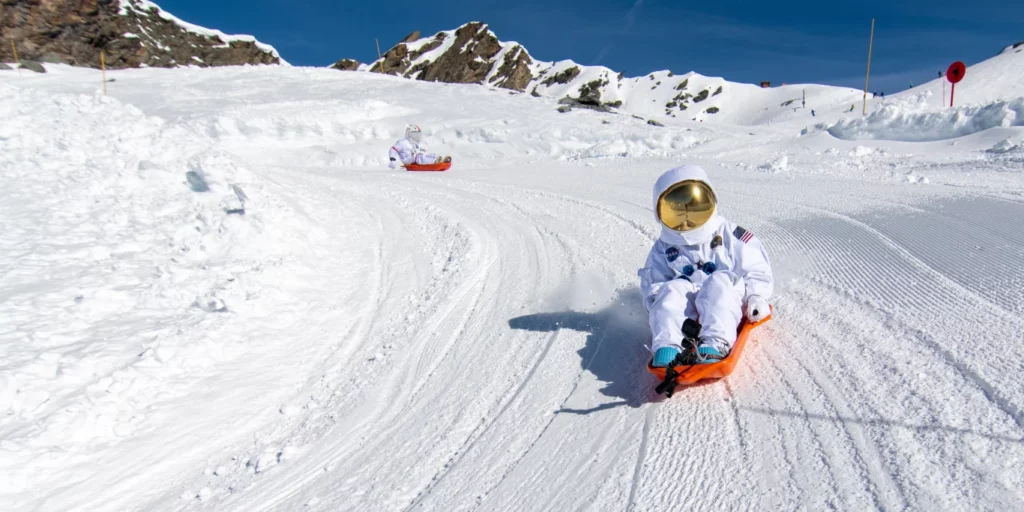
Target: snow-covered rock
132, 33
472, 53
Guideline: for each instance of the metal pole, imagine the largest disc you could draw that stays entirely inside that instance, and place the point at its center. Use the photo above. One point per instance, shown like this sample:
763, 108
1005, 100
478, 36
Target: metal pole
867, 78
952, 90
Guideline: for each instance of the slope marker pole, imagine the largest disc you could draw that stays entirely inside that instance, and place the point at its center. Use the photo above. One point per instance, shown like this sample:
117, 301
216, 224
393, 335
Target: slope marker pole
867, 78
103, 67
17, 63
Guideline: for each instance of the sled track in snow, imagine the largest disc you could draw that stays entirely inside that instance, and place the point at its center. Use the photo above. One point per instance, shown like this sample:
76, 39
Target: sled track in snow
649, 417
808, 429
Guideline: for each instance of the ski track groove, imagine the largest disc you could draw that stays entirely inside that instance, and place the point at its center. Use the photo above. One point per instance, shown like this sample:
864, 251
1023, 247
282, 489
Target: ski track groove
649, 417
551, 421
474, 437
865, 450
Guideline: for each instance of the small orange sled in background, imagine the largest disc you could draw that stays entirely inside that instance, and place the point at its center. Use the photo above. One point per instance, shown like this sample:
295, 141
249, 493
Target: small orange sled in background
686, 375
443, 166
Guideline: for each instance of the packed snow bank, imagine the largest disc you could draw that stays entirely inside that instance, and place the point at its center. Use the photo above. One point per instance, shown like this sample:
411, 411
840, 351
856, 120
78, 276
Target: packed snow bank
912, 120
126, 250
159, 353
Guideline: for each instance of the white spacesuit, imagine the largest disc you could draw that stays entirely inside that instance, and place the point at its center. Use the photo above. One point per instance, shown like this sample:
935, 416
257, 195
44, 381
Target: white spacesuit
412, 149
702, 267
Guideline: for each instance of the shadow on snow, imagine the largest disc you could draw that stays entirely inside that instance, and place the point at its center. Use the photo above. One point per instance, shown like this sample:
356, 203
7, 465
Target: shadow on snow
614, 351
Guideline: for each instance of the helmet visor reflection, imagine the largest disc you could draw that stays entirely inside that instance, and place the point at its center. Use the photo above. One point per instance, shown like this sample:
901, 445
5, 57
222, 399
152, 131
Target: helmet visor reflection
686, 206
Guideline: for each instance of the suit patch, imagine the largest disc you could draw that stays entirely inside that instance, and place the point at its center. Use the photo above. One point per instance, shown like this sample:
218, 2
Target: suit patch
742, 234
716, 241
671, 254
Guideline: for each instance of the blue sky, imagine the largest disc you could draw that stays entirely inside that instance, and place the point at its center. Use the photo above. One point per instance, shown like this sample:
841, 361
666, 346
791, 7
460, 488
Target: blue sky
746, 41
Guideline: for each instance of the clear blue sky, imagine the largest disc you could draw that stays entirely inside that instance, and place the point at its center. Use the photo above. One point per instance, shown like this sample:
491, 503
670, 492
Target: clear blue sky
747, 41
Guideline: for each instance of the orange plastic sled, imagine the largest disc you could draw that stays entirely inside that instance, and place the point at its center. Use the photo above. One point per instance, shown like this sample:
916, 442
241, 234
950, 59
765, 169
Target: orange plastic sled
692, 374
444, 166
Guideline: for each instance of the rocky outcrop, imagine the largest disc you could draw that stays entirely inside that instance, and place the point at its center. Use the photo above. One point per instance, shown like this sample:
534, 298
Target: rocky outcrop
468, 60
346, 65
562, 77
472, 53
132, 33
398, 59
590, 92
32, 66
514, 72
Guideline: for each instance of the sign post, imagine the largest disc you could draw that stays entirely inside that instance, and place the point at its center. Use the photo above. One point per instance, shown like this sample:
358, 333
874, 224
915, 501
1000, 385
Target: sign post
954, 74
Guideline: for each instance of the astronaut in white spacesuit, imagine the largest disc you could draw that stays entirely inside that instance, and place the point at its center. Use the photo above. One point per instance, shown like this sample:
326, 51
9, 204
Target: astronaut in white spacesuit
703, 267
413, 150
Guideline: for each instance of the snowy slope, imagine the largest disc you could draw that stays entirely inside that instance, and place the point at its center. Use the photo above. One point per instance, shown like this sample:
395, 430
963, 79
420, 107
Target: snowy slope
362, 339
1000, 78
659, 95
991, 95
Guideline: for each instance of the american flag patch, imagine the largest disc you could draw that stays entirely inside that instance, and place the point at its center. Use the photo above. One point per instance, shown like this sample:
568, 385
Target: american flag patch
742, 234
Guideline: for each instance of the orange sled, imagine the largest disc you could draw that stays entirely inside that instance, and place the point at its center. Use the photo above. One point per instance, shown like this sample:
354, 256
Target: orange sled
444, 166
691, 374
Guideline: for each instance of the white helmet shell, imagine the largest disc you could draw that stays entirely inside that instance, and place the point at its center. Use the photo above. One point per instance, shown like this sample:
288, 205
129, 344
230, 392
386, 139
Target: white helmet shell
414, 132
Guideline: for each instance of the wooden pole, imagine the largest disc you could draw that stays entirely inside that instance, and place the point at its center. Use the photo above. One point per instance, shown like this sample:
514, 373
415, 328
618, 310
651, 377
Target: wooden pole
17, 63
867, 77
103, 67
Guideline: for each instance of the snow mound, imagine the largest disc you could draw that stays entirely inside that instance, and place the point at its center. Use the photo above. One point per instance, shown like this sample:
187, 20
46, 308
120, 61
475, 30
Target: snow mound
912, 120
777, 165
126, 245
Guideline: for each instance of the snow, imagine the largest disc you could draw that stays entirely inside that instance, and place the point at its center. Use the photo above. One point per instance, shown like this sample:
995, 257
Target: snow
217, 297
144, 6
914, 119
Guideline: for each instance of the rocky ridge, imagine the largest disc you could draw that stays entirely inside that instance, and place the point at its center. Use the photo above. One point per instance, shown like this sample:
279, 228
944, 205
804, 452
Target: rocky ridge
131, 33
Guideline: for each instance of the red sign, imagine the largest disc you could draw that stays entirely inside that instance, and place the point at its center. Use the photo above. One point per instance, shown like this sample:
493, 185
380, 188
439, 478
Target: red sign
956, 72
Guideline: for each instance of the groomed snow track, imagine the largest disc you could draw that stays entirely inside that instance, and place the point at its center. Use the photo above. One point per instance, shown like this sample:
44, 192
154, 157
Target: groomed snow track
479, 343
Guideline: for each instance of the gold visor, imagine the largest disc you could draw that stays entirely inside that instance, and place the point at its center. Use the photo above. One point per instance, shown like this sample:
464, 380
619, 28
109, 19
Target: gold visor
686, 206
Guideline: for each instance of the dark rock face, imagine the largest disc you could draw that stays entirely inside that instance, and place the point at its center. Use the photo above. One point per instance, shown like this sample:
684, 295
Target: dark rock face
564, 77
32, 66
73, 32
590, 92
397, 60
514, 72
469, 58
4, 67
412, 36
346, 65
